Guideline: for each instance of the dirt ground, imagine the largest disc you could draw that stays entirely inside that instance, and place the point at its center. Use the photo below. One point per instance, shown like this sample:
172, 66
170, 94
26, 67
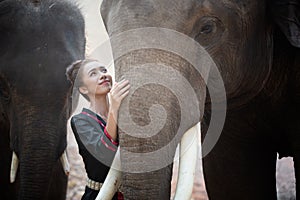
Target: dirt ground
76, 184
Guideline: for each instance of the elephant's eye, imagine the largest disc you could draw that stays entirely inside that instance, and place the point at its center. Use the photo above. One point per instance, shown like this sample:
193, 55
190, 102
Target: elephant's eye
208, 30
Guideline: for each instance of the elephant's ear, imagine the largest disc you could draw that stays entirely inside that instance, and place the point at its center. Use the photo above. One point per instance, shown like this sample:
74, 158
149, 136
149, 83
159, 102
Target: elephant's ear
286, 14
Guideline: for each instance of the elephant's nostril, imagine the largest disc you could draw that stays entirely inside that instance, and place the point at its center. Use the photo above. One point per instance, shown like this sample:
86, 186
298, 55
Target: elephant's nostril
36, 2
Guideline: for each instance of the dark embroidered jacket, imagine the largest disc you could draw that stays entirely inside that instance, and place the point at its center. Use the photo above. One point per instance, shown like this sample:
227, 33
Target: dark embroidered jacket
95, 145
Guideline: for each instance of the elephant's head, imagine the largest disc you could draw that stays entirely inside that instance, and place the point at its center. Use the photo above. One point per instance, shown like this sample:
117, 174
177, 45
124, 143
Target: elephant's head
237, 35
39, 39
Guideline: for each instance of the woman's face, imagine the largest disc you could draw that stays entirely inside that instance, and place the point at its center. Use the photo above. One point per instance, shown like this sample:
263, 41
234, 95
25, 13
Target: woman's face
96, 80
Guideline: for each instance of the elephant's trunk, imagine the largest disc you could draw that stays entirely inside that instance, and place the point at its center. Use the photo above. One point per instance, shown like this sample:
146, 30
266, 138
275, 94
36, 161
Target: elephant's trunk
161, 106
148, 184
40, 143
38, 163
158, 185
147, 152
35, 175
15, 164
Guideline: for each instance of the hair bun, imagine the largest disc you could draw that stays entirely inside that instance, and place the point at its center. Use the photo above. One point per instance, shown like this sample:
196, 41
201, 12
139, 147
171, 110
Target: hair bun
71, 71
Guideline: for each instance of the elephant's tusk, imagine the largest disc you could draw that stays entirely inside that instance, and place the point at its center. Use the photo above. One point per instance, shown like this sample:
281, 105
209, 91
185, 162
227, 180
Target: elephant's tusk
112, 181
65, 163
14, 167
187, 163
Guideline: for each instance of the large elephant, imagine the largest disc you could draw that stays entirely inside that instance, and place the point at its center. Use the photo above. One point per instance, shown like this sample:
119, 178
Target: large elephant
255, 46
38, 40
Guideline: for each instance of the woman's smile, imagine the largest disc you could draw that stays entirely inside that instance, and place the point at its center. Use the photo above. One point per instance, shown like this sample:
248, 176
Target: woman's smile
104, 82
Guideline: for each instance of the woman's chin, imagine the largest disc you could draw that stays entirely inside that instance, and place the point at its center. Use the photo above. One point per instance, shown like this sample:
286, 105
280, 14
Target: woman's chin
103, 91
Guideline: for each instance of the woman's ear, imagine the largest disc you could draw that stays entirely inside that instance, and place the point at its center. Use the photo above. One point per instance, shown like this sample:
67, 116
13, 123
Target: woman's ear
286, 14
83, 90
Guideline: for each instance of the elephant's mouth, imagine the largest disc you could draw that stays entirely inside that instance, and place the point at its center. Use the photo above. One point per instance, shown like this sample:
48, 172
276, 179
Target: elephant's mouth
15, 164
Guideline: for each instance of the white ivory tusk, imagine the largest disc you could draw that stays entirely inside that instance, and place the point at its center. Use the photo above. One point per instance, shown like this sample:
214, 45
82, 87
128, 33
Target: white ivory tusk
65, 163
112, 181
187, 163
14, 167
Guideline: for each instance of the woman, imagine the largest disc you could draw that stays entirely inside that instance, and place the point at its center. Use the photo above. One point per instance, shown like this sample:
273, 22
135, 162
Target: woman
95, 128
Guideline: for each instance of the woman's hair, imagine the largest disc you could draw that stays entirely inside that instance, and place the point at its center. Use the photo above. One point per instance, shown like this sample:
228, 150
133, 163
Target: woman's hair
73, 71
74, 75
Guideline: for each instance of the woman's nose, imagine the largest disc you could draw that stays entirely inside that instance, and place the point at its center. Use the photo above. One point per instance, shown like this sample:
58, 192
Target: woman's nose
103, 76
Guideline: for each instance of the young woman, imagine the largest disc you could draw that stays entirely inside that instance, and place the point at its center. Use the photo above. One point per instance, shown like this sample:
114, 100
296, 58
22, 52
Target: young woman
95, 128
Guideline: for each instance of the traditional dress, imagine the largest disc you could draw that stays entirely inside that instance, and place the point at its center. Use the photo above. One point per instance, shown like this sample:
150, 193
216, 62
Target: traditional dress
97, 149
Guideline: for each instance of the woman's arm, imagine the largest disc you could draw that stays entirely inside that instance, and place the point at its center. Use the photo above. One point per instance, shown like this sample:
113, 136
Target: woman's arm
118, 92
89, 133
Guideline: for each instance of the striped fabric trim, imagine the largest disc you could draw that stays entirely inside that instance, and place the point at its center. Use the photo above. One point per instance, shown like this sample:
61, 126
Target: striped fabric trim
107, 146
95, 118
120, 196
109, 137
105, 131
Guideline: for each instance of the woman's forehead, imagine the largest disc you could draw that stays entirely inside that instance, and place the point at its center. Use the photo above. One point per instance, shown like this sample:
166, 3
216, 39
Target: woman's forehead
92, 65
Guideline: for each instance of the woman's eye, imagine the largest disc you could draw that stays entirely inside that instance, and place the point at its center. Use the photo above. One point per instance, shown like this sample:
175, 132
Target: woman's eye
104, 70
93, 73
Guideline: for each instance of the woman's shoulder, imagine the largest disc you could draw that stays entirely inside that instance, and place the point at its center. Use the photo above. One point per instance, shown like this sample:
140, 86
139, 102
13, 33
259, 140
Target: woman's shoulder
84, 115
83, 122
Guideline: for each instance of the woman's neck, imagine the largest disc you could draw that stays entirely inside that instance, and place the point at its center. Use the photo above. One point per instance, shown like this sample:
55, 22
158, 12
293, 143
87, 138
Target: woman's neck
100, 105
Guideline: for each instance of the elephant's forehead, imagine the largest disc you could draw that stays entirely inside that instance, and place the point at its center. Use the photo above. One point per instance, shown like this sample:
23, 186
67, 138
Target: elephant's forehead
136, 8
35, 48
177, 15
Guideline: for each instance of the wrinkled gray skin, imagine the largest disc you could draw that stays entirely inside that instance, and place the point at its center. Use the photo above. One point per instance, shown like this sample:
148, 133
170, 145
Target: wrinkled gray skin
260, 70
38, 40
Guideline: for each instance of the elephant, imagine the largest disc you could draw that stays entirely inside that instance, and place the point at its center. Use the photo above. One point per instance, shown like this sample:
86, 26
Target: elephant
255, 47
39, 39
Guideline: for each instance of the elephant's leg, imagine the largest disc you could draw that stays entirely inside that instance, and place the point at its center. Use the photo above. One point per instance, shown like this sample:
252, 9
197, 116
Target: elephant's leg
241, 165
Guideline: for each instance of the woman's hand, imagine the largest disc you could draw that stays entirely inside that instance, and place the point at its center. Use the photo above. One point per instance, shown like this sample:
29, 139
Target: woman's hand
118, 92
